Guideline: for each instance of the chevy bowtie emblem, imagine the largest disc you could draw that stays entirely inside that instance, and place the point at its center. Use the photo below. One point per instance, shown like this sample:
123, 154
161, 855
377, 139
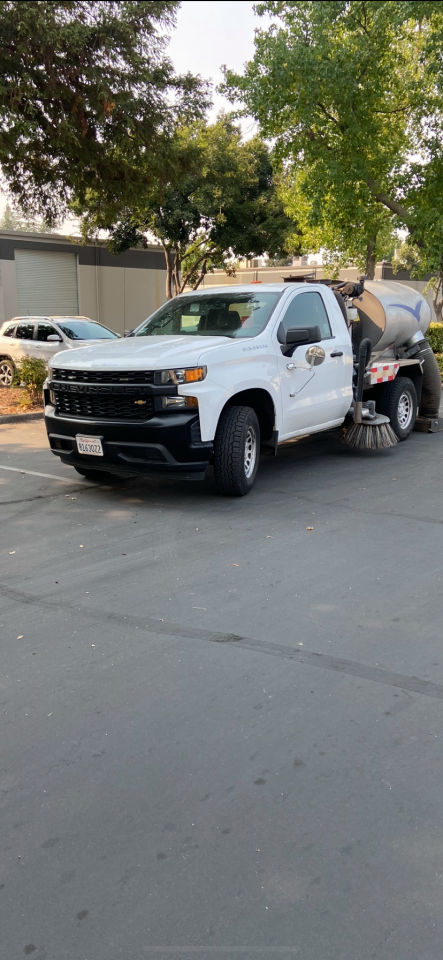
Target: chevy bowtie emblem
140, 402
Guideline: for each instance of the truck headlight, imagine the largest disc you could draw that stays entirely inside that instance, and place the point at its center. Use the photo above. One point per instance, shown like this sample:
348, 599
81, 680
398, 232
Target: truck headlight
178, 403
191, 375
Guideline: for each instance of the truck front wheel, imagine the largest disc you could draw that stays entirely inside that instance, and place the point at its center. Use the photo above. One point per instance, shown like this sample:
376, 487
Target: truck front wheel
398, 401
236, 451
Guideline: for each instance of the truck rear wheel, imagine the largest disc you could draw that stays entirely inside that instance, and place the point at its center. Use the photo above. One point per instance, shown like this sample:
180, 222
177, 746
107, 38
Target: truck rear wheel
398, 401
236, 451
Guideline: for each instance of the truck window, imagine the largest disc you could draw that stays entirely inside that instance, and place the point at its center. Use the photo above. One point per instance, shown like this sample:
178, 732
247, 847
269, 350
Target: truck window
307, 310
212, 315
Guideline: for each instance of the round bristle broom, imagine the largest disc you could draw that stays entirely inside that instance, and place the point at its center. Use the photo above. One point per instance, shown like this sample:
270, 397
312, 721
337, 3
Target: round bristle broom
371, 434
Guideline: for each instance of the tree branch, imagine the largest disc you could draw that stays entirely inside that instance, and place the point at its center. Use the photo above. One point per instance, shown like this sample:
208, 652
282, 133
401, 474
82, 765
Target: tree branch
392, 205
330, 116
206, 255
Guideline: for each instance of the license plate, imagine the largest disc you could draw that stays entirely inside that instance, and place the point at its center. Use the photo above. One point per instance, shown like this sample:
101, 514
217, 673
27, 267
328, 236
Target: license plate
90, 445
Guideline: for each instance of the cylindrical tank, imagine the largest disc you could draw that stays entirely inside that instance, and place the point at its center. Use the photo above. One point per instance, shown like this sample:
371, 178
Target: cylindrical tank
391, 314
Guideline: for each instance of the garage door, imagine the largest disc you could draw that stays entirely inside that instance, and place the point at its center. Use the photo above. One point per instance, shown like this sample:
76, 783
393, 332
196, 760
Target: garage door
46, 283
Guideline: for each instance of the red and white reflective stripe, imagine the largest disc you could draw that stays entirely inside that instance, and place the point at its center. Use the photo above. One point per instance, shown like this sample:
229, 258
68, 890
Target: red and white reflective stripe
383, 372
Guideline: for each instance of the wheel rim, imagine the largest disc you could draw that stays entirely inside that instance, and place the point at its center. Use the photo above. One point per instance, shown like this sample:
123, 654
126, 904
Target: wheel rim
405, 410
250, 452
6, 374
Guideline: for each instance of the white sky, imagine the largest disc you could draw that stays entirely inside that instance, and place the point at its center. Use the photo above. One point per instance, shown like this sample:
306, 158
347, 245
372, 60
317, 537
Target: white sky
211, 34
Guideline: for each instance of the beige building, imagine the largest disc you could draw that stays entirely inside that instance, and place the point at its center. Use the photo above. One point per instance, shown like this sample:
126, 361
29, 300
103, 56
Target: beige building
44, 274
252, 273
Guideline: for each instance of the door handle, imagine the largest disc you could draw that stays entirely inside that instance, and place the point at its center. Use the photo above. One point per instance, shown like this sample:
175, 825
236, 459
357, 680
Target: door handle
337, 353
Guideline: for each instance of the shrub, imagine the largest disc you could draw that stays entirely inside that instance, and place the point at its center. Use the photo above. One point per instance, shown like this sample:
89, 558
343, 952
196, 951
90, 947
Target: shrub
435, 337
31, 372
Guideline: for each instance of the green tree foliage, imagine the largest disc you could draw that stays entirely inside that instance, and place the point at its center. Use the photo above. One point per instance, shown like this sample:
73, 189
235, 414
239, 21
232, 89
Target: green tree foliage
347, 88
13, 220
88, 100
220, 204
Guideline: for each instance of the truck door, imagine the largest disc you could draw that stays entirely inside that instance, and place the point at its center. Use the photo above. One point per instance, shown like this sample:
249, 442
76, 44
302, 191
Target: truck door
316, 381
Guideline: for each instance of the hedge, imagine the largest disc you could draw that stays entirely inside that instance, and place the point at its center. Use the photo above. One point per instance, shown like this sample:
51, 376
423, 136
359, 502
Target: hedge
435, 336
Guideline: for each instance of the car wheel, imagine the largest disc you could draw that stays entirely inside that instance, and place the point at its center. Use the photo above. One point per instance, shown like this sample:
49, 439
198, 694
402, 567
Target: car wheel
398, 401
236, 451
7, 371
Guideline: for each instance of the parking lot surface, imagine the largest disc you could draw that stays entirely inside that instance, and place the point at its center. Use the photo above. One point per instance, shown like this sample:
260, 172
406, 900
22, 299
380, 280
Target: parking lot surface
221, 729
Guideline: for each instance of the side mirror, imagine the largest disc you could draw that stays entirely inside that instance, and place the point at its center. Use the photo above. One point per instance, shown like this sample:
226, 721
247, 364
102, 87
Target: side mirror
298, 336
53, 338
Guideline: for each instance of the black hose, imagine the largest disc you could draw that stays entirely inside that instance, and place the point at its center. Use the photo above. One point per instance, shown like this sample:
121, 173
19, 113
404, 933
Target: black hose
431, 392
364, 356
342, 305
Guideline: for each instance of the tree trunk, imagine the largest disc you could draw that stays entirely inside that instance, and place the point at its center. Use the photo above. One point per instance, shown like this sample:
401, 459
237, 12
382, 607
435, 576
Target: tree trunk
176, 275
438, 300
202, 276
370, 258
168, 258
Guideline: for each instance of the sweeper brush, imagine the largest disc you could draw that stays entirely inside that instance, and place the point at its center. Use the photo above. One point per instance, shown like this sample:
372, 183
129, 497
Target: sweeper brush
373, 434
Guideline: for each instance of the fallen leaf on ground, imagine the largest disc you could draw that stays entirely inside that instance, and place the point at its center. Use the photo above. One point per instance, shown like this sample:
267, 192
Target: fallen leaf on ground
309, 528
269, 538
11, 553
235, 564
81, 546
20, 637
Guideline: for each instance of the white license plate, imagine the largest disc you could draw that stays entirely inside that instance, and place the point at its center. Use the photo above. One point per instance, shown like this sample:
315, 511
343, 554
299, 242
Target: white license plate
90, 445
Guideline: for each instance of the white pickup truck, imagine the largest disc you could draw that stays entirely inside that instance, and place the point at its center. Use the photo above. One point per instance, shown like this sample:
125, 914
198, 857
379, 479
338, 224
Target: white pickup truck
216, 377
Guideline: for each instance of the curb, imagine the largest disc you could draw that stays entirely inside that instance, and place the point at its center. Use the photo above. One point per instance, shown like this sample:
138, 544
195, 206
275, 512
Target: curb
21, 417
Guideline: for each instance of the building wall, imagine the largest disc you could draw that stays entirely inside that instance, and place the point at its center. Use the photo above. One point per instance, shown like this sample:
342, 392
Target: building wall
8, 292
276, 274
119, 291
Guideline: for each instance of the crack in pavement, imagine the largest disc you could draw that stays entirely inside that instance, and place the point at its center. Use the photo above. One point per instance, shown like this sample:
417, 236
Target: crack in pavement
352, 668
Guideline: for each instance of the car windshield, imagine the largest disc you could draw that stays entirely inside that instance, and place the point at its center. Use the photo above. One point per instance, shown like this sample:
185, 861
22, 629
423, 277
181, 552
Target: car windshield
85, 330
212, 315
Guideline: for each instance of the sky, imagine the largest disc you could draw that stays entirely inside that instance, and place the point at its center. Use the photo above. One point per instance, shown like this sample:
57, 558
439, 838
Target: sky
211, 34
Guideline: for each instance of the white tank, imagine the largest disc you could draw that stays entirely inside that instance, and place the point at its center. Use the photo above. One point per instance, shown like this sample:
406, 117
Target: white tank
392, 314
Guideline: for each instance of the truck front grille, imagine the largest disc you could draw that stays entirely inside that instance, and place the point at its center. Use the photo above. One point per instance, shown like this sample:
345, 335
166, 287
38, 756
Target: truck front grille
106, 376
95, 407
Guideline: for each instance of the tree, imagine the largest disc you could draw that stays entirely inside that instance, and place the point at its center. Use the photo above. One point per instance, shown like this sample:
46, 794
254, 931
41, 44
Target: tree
219, 204
361, 238
344, 87
88, 100
12, 220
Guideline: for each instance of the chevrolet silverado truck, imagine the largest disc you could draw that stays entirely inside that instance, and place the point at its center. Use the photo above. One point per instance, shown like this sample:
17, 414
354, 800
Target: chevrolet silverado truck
216, 377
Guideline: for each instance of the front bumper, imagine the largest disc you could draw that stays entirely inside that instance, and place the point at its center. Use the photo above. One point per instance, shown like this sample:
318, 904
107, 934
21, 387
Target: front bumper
167, 445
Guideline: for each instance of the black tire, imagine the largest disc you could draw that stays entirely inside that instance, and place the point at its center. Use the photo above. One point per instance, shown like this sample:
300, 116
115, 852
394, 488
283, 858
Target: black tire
236, 451
398, 401
7, 371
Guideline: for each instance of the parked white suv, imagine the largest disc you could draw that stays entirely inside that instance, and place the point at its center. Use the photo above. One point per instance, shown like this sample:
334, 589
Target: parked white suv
43, 337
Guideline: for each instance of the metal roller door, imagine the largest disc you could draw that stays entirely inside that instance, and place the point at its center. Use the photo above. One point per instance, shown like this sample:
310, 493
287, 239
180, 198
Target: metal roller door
46, 283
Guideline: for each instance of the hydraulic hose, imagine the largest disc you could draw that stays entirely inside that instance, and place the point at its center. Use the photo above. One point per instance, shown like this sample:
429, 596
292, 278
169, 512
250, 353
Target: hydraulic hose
431, 393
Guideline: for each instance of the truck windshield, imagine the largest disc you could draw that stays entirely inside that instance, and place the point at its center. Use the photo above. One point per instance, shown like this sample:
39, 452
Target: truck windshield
214, 315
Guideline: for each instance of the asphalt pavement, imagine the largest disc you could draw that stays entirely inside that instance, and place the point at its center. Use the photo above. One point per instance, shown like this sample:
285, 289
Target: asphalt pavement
221, 730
